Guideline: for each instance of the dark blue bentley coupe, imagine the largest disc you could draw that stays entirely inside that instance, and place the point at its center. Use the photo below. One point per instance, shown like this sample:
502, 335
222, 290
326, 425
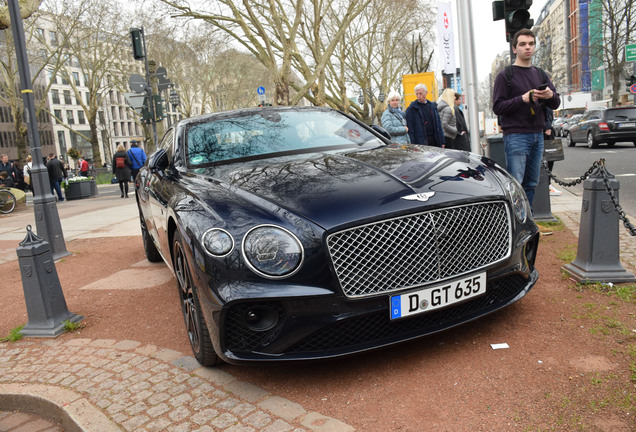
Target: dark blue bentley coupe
300, 233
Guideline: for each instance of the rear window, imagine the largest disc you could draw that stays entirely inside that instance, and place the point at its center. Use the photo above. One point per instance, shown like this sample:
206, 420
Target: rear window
621, 114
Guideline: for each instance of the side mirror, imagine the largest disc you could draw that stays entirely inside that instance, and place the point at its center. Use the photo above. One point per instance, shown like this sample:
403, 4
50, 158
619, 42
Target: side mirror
381, 131
158, 161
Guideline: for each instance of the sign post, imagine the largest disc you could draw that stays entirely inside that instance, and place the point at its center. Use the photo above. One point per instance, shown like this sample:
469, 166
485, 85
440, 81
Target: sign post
261, 94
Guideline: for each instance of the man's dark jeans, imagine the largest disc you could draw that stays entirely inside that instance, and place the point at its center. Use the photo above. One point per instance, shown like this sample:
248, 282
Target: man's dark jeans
57, 188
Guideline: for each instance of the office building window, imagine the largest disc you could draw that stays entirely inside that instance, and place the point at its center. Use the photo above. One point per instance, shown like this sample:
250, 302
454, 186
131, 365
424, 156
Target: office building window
76, 78
55, 96
80, 117
70, 119
58, 115
67, 97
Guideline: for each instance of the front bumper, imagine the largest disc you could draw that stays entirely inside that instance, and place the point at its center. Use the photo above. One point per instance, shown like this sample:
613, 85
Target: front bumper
326, 326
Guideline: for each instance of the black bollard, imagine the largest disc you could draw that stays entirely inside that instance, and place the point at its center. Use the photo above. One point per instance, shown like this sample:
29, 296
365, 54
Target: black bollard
542, 210
597, 257
46, 306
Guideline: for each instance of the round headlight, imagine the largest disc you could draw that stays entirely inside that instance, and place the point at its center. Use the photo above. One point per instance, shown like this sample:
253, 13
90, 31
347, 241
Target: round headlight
272, 251
520, 204
217, 242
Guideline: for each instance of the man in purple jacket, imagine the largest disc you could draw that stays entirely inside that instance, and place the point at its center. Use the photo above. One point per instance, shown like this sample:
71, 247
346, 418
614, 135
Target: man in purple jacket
519, 101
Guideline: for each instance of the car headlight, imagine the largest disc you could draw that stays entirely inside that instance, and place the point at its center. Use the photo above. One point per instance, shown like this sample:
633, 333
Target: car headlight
520, 204
272, 252
217, 242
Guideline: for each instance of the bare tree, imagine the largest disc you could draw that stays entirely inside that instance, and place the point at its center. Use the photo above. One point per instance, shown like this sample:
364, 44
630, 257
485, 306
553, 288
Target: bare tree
10, 81
270, 30
92, 35
27, 8
618, 23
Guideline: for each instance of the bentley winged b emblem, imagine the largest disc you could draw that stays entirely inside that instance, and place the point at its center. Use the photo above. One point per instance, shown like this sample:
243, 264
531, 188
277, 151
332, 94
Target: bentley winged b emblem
419, 197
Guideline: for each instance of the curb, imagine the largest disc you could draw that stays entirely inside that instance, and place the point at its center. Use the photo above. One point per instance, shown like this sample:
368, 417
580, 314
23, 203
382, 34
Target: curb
107, 385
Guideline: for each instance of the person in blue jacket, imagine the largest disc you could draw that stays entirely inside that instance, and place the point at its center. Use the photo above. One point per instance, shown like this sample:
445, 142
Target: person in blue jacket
137, 157
394, 121
423, 121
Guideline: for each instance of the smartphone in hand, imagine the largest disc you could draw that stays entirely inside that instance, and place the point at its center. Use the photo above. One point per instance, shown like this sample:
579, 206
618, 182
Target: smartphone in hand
543, 86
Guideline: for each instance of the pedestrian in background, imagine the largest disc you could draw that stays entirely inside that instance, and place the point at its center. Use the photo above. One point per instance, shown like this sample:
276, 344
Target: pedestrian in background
422, 120
462, 140
26, 172
8, 167
137, 157
394, 120
519, 101
57, 174
83, 167
446, 109
121, 169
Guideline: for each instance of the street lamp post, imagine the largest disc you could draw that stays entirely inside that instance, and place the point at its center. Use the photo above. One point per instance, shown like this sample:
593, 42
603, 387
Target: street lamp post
47, 219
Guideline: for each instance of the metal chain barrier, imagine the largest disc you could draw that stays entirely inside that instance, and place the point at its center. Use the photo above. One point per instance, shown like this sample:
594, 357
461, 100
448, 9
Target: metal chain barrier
599, 166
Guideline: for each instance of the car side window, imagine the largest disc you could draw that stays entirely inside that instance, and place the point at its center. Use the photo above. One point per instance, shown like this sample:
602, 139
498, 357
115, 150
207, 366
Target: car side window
167, 144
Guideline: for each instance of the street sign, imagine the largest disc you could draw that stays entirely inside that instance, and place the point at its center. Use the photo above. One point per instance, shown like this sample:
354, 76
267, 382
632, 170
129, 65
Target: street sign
260, 90
135, 100
633, 88
630, 53
161, 71
137, 83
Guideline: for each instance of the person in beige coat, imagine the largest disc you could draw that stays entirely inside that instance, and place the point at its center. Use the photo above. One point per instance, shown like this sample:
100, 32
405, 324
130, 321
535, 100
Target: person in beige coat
446, 108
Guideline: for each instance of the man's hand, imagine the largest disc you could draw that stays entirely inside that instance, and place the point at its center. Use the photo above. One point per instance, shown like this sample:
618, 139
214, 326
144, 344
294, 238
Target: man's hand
543, 94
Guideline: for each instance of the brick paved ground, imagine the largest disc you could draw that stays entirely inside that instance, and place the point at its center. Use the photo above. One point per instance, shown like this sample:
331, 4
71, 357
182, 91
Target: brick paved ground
145, 388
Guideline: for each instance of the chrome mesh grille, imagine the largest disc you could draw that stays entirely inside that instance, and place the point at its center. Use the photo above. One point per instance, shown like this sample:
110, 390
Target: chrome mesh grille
418, 249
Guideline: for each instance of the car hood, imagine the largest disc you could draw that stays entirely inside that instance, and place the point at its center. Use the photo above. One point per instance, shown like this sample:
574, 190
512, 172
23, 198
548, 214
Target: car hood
336, 188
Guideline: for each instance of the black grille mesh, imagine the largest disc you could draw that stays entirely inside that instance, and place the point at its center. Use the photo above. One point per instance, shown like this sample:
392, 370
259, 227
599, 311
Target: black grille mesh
419, 249
377, 327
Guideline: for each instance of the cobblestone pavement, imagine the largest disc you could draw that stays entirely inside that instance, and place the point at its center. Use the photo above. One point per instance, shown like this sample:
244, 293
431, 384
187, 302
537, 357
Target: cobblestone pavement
105, 385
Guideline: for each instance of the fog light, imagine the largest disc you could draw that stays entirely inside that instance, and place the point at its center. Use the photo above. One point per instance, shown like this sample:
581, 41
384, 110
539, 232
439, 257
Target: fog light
261, 318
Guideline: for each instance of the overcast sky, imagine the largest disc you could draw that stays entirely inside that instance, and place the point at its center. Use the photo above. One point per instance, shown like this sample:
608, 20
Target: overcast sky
490, 38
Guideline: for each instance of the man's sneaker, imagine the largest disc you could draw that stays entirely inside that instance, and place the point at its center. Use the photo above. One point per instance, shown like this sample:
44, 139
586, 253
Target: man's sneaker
554, 191
544, 230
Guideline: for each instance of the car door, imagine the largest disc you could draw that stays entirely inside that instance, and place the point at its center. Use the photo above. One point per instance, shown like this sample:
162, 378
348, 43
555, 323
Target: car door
158, 189
591, 123
575, 127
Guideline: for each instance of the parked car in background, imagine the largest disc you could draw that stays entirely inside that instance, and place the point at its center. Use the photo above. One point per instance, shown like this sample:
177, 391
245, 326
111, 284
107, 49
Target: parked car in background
556, 125
565, 128
604, 125
299, 233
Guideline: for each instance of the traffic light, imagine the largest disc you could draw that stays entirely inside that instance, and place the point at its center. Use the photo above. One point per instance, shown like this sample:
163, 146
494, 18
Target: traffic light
146, 113
517, 16
158, 107
630, 81
137, 43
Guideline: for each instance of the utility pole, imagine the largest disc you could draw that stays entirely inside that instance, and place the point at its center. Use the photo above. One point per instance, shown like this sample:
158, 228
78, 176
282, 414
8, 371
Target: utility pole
47, 219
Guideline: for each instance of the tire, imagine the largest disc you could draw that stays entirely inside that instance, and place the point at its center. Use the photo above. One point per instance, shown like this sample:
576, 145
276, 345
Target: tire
152, 254
7, 201
591, 141
571, 142
196, 328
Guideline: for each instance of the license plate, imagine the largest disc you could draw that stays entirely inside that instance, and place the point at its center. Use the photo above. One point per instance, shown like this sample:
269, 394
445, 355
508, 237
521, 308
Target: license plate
625, 125
437, 297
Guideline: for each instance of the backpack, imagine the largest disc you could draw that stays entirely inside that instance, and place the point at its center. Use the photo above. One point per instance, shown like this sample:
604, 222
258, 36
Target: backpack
120, 162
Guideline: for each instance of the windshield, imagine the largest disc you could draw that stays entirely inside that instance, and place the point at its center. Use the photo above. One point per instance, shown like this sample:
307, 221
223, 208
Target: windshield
271, 132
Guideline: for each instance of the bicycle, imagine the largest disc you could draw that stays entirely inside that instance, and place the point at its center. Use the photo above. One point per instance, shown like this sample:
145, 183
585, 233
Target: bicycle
7, 201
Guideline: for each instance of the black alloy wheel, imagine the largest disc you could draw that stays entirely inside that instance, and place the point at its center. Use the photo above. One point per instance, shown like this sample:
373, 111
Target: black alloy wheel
198, 334
571, 142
